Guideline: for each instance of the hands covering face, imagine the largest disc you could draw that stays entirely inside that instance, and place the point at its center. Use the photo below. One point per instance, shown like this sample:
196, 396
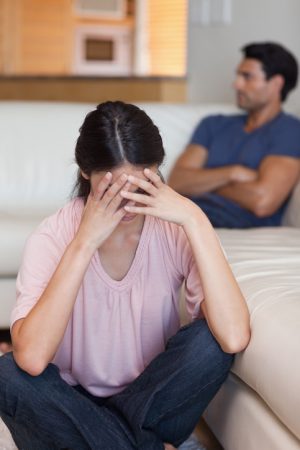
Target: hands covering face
158, 199
109, 203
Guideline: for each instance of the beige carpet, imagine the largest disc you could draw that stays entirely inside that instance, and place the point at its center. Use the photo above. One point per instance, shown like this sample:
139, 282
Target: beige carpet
6, 442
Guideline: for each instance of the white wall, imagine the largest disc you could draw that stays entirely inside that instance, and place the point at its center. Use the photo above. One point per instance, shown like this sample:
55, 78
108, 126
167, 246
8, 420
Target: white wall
213, 51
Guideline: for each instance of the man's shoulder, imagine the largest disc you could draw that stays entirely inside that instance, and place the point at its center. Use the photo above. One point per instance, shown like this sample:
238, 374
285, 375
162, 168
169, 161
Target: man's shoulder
282, 135
218, 121
288, 119
224, 118
212, 125
285, 125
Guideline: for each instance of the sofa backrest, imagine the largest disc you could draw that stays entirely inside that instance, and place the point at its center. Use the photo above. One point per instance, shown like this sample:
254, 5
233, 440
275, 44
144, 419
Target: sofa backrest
37, 147
37, 169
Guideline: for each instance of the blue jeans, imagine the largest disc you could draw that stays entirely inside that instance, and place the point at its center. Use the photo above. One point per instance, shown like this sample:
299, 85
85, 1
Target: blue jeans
163, 404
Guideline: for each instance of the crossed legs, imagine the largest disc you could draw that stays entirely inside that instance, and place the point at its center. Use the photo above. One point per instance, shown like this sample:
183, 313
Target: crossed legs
162, 405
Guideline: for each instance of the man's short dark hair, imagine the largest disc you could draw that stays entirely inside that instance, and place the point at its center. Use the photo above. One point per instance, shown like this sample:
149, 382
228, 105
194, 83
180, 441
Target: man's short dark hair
276, 60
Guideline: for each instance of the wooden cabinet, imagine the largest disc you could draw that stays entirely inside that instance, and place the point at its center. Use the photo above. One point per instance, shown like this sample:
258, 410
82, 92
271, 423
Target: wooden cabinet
35, 36
38, 37
37, 53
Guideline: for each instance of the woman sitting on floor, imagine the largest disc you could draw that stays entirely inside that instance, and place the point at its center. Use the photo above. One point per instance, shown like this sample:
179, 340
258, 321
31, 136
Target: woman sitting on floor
99, 359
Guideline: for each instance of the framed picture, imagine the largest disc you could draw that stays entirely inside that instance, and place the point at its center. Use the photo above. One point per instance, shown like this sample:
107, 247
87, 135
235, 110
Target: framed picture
104, 50
107, 9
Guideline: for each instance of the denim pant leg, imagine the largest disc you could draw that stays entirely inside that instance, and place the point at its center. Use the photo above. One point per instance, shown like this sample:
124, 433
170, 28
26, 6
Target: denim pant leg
45, 413
25, 438
171, 394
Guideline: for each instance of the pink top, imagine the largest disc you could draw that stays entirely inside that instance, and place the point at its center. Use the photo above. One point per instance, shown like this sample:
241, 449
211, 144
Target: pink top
116, 327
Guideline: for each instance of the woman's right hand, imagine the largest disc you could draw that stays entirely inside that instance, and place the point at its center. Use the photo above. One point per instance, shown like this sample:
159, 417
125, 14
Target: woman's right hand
102, 212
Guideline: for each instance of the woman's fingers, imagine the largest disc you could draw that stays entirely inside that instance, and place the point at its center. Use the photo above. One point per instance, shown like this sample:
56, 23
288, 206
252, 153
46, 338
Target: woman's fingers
102, 186
114, 196
149, 198
119, 214
118, 201
139, 210
154, 177
137, 197
113, 191
145, 185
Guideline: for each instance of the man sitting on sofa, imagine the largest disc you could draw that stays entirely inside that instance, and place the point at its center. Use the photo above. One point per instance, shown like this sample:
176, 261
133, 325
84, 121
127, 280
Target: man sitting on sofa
241, 169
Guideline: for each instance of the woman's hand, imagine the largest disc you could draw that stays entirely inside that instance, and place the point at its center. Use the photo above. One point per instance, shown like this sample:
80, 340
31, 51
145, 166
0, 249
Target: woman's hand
102, 212
159, 200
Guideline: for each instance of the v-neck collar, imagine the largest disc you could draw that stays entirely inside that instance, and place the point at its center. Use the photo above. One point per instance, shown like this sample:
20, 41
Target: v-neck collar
135, 265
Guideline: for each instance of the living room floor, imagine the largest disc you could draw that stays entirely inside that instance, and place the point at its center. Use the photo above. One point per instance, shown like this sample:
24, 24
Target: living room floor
202, 432
206, 437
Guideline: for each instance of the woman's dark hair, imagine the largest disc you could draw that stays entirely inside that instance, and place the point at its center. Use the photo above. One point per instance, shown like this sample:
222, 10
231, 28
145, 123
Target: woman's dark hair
276, 60
113, 134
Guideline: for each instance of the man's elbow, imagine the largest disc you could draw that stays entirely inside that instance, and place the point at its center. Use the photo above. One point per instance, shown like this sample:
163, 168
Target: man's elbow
264, 208
265, 204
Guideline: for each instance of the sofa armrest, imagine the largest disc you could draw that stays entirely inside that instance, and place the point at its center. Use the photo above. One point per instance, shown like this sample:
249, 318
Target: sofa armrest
291, 216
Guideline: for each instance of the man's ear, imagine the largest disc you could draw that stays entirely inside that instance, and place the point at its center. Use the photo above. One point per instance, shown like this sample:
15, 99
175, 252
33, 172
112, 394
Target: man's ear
84, 175
278, 82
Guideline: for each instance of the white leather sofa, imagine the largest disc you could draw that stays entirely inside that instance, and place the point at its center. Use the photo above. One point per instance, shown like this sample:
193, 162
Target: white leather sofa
258, 408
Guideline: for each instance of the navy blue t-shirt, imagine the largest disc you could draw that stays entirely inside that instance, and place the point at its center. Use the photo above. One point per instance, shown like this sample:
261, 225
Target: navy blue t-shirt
228, 143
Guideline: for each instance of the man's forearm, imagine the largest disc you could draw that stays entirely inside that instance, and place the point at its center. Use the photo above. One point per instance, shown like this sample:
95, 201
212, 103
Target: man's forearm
198, 181
249, 195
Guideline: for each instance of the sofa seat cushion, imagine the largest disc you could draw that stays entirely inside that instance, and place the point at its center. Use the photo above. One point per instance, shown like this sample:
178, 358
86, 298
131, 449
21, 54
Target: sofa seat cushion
266, 263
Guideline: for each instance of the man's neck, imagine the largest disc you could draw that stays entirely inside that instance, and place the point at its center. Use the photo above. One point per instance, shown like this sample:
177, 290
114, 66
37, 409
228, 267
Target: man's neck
259, 117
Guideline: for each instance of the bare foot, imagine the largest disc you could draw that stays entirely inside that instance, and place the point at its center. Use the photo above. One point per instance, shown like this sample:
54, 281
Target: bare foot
169, 447
5, 347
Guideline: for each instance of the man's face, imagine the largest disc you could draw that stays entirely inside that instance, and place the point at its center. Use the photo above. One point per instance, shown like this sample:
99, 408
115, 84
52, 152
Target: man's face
253, 90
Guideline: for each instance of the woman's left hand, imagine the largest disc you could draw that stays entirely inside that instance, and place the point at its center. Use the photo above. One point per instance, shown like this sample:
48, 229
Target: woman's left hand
159, 200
